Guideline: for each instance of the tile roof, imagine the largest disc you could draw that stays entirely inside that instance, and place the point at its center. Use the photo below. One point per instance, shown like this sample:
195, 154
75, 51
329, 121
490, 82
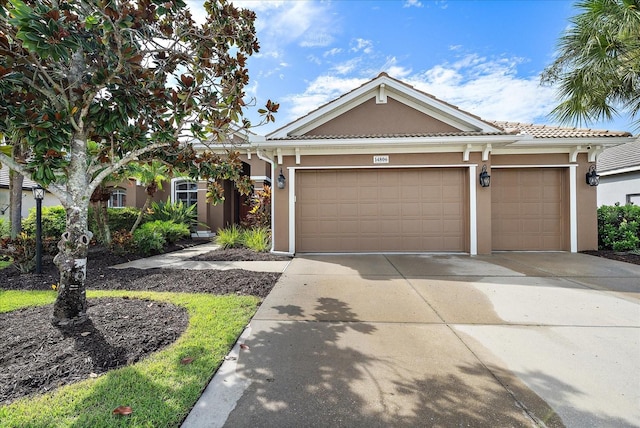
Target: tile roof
547, 131
619, 157
371, 136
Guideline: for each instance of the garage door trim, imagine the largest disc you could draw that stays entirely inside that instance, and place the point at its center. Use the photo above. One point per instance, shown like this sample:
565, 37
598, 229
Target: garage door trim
573, 201
473, 238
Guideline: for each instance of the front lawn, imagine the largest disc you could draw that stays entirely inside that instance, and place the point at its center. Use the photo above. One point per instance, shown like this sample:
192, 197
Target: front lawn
161, 389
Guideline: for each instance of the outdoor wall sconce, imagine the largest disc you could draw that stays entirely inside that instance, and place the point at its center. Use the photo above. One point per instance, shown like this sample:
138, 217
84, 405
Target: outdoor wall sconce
485, 178
593, 179
282, 181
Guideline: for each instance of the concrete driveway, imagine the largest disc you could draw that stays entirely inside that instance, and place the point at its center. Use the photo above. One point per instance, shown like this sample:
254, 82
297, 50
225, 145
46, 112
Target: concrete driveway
511, 339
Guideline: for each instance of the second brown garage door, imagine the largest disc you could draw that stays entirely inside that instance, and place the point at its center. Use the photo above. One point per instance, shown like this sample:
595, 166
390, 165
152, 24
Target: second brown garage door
528, 209
377, 210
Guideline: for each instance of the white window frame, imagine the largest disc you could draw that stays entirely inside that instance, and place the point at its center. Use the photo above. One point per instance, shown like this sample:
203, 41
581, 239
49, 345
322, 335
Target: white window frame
175, 182
121, 197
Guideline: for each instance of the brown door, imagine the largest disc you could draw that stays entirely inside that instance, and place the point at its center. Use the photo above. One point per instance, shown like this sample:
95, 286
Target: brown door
374, 210
528, 209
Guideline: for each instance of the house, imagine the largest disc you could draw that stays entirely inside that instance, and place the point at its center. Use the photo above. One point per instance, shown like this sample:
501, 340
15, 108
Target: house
388, 168
28, 201
619, 170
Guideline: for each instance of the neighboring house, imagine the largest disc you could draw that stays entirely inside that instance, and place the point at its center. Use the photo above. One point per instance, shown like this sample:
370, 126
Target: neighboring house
388, 168
619, 169
28, 202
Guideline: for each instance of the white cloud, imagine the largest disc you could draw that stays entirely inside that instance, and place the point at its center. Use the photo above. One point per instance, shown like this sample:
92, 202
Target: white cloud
362, 45
487, 87
332, 52
412, 3
319, 92
490, 88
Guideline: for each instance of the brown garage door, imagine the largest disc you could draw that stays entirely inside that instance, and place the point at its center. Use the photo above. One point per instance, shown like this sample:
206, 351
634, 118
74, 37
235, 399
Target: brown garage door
380, 210
528, 209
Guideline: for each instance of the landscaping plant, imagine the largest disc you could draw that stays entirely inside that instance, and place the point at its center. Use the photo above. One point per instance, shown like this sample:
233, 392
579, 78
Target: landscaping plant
91, 86
177, 212
229, 237
257, 239
619, 227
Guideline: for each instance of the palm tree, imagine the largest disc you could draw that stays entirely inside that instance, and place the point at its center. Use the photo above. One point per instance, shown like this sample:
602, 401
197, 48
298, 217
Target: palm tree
598, 63
151, 175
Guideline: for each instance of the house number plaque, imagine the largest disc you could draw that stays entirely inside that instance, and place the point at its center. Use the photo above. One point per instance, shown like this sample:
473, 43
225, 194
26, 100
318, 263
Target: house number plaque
381, 159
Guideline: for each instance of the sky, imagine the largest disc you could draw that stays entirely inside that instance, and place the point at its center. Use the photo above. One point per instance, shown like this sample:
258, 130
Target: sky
484, 56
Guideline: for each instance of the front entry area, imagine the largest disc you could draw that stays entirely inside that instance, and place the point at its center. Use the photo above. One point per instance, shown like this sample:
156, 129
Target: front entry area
381, 210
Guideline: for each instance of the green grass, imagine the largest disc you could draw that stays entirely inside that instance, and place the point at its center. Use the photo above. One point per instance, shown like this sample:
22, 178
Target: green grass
5, 263
159, 389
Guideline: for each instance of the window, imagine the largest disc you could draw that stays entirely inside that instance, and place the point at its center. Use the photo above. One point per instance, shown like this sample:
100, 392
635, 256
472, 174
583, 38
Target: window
633, 198
185, 191
118, 198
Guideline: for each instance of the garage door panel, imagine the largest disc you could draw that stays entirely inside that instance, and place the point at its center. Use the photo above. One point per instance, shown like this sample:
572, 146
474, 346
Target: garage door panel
528, 209
391, 210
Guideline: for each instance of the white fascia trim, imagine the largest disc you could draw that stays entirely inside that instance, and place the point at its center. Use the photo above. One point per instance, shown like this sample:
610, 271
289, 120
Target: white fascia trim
566, 165
480, 140
620, 171
472, 186
528, 140
573, 208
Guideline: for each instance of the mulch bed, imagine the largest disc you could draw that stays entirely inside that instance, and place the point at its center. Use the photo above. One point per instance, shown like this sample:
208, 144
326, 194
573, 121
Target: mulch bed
616, 255
37, 357
238, 254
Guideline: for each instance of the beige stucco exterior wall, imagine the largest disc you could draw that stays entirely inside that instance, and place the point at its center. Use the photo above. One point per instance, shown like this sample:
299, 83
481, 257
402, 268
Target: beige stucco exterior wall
585, 195
391, 117
281, 196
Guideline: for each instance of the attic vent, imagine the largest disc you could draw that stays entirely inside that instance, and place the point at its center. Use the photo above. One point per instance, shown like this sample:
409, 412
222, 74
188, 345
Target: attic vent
382, 95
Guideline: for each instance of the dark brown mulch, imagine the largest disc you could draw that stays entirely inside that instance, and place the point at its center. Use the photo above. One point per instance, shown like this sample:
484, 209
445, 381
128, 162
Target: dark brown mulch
238, 254
36, 357
616, 255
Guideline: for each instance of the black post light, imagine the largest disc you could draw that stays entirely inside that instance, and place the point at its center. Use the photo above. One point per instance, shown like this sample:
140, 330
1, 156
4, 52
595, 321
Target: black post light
593, 179
38, 194
282, 181
485, 178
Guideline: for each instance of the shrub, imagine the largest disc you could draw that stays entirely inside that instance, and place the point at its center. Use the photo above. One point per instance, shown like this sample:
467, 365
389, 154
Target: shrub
260, 213
170, 230
122, 218
23, 251
229, 237
619, 227
149, 240
122, 242
54, 222
177, 212
257, 239
5, 228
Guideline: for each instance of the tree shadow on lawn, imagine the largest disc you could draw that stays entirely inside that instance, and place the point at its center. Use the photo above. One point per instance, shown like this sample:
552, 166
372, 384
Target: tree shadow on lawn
313, 373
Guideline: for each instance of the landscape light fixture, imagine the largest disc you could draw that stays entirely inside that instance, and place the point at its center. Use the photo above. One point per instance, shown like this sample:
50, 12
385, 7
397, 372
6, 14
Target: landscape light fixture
282, 181
593, 179
38, 195
485, 178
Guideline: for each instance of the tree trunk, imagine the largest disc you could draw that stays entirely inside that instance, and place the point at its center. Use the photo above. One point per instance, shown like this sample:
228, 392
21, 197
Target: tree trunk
70, 307
15, 202
147, 202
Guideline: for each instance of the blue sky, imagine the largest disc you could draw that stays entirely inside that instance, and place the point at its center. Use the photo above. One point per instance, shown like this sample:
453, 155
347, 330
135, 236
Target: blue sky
483, 56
